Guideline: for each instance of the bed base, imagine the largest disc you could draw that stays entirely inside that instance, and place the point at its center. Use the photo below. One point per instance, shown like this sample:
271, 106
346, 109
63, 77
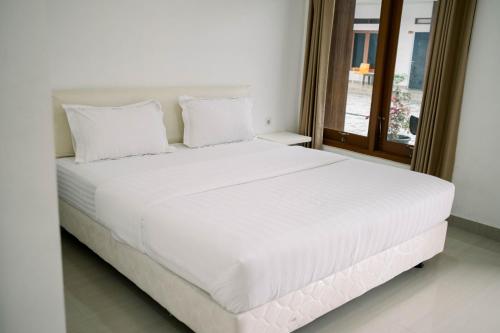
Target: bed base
196, 308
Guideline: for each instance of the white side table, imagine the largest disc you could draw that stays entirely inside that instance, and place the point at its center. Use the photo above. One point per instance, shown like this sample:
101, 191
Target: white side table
286, 138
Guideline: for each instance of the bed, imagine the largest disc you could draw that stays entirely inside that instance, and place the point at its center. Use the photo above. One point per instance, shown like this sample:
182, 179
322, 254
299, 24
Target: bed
245, 237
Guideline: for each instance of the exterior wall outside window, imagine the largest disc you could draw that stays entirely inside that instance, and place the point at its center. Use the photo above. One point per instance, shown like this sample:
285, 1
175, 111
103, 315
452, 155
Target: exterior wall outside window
421, 9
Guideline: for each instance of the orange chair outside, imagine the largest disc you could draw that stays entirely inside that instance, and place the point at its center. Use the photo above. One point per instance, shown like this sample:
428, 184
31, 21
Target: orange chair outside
364, 68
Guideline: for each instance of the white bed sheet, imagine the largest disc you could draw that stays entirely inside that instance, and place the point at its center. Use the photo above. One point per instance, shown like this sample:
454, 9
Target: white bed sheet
77, 183
250, 222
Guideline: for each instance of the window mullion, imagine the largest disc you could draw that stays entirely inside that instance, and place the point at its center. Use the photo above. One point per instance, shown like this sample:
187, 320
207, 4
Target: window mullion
386, 58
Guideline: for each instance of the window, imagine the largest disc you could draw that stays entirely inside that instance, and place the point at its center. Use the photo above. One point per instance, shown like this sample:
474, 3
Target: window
367, 20
423, 20
376, 75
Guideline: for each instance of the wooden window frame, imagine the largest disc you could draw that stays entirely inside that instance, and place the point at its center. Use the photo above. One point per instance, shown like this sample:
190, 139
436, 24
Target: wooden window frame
375, 143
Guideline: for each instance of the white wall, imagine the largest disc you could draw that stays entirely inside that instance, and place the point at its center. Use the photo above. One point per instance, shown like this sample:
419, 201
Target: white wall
184, 42
31, 295
477, 165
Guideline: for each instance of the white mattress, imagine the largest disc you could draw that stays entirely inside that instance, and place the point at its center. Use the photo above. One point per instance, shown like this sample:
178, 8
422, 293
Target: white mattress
251, 222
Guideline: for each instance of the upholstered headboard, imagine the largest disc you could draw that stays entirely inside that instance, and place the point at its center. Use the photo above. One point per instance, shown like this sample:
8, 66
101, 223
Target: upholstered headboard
167, 96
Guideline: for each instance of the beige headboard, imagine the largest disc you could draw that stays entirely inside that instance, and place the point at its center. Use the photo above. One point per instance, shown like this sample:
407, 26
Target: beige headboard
167, 96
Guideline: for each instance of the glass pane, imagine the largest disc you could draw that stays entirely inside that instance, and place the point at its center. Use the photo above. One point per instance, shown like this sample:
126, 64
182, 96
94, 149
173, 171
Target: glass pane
362, 70
409, 72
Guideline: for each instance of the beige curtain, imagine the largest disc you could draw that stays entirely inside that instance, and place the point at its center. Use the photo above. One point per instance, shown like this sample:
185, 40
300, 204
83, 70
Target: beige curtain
317, 54
442, 100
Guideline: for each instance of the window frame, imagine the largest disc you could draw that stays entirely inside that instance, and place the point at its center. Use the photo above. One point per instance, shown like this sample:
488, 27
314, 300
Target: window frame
376, 143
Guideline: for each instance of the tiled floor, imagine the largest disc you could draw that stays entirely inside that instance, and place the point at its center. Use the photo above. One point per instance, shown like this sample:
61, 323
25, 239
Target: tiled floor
458, 291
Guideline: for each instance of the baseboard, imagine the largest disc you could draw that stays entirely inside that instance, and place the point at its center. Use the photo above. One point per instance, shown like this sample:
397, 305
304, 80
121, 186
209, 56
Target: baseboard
475, 227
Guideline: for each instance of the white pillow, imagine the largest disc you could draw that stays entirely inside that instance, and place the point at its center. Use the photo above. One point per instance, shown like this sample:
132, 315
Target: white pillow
211, 121
114, 132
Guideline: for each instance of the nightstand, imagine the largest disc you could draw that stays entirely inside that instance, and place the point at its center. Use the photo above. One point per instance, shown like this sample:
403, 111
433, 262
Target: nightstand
286, 138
